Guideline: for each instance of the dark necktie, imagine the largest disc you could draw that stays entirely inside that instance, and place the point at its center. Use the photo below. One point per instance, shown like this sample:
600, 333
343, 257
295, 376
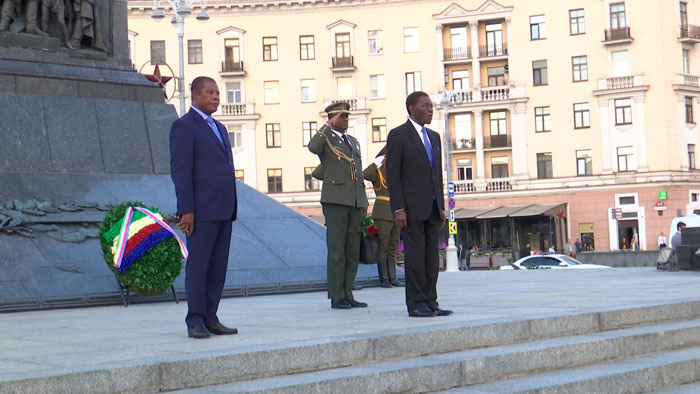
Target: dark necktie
345, 138
212, 126
428, 147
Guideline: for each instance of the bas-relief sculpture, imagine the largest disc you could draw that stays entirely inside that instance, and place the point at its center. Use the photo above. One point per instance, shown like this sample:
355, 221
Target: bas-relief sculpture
77, 23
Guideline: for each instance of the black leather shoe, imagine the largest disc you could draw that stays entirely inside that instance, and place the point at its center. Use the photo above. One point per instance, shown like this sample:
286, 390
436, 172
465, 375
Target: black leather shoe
442, 312
396, 283
422, 312
198, 332
220, 329
340, 304
356, 304
385, 284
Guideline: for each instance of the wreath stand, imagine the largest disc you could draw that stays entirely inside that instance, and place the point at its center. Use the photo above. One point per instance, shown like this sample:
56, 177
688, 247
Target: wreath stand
125, 292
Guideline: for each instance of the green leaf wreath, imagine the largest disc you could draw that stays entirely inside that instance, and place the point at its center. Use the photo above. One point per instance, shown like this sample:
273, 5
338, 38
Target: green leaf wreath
156, 271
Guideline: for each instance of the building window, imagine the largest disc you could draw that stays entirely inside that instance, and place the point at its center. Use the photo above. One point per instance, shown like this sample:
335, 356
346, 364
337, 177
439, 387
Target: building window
377, 86
310, 183
410, 39
539, 72
625, 158
499, 167
273, 135
691, 156
378, 129
308, 129
413, 82
617, 16
308, 90
544, 165
684, 13
464, 169
686, 61
269, 48
460, 80
342, 45
344, 87
496, 75
232, 52
542, 122
194, 51
235, 136
233, 92
577, 23
584, 162
623, 111
538, 28
240, 175
620, 63
579, 65
689, 110
498, 123
463, 131
494, 39
376, 42
157, 52
351, 127
458, 41
582, 116
272, 92
306, 48
274, 180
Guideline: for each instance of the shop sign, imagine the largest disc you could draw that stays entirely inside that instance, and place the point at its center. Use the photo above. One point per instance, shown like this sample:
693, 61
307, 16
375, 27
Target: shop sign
663, 195
659, 206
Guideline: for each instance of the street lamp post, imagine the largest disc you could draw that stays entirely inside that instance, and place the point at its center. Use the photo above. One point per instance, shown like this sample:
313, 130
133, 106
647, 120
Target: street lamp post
182, 9
451, 261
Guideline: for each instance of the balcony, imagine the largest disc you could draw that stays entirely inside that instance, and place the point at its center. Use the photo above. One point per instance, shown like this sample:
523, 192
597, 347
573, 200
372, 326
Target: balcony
483, 94
617, 36
493, 50
482, 185
232, 68
237, 110
452, 54
463, 144
343, 63
356, 104
690, 34
497, 141
632, 82
687, 82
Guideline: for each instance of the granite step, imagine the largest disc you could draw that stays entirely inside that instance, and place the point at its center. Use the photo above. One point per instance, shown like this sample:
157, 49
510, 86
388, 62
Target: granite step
470, 369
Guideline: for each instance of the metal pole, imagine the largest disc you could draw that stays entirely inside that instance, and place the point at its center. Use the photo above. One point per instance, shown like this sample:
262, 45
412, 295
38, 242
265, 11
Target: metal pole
451, 263
180, 38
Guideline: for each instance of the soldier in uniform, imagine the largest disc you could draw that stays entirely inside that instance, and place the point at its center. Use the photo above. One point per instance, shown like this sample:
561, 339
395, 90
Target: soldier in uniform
384, 220
343, 200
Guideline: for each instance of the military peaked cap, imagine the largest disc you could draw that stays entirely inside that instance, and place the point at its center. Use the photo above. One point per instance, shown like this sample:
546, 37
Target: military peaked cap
338, 108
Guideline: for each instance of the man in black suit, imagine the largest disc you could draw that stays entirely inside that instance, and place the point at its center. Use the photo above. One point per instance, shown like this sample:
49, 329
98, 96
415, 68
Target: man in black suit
201, 166
414, 174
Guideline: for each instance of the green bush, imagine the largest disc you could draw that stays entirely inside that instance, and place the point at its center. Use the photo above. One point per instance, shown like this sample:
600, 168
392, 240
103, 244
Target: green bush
156, 271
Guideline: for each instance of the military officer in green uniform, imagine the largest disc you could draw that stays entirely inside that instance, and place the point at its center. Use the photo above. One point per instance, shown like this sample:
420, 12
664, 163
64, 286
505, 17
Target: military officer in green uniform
343, 200
384, 220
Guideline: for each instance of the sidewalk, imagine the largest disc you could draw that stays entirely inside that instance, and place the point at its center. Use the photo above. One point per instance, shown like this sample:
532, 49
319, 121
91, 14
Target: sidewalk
76, 341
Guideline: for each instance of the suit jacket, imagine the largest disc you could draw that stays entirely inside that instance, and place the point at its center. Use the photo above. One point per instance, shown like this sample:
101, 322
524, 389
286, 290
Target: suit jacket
413, 183
202, 169
382, 207
338, 186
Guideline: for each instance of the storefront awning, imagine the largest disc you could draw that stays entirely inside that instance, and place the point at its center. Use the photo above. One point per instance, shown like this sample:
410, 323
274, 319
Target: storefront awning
513, 211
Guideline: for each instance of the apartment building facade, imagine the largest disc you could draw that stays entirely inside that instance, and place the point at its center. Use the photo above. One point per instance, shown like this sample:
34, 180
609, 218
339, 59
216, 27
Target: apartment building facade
573, 119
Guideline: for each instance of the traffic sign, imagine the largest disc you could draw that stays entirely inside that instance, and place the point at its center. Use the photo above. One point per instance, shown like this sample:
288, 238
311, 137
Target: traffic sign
452, 215
453, 228
451, 188
452, 203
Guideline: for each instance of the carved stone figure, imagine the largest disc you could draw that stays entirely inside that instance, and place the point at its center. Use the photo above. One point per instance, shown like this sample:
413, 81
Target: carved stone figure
12, 11
56, 7
87, 24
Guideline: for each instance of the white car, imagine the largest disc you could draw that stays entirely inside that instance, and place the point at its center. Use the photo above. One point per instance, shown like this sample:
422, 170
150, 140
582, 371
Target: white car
550, 261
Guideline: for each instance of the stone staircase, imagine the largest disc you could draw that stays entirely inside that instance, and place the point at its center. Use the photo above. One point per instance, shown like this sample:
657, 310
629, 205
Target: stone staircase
634, 350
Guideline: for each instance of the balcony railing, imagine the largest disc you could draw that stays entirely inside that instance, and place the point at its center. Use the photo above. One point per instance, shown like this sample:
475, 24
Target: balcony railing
497, 141
355, 103
237, 109
498, 184
464, 187
621, 82
493, 50
464, 144
622, 33
457, 53
484, 94
486, 185
689, 80
343, 62
231, 67
690, 31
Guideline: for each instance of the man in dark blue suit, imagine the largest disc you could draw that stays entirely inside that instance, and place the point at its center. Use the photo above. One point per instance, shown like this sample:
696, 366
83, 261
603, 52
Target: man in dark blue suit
201, 166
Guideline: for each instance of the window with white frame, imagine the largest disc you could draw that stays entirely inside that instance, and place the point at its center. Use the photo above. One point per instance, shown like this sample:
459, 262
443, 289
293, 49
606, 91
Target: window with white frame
308, 90
463, 131
464, 169
458, 39
194, 51
379, 129
582, 116
413, 82
538, 27
377, 86
307, 49
691, 156
584, 162
376, 42
235, 136
620, 63
344, 85
460, 80
234, 94
577, 22
579, 68
542, 120
411, 39
499, 167
623, 111
625, 158
272, 92
497, 120
308, 129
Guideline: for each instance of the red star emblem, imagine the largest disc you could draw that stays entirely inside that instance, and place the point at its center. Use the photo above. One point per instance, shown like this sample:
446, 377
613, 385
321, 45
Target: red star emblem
159, 80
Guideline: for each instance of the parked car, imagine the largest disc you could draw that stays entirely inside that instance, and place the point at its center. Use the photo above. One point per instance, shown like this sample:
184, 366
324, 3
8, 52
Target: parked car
550, 261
